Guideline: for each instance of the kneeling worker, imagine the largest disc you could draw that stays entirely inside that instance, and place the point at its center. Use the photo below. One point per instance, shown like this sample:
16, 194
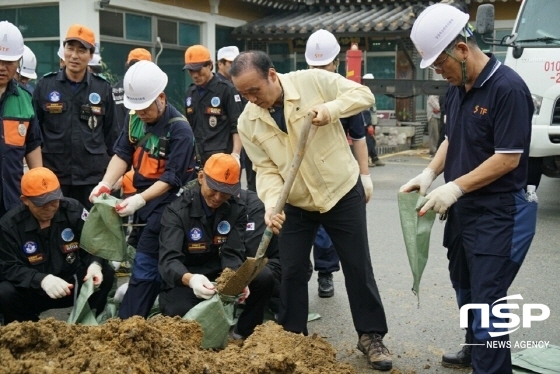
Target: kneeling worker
43, 264
201, 235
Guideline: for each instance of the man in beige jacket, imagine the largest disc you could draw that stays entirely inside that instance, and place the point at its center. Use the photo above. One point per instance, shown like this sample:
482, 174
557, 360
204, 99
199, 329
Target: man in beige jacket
328, 190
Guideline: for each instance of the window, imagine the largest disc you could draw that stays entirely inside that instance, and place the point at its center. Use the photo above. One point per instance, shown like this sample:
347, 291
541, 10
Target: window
34, 22
111, 23
138, 27
382, 67
224, 38
167, 31
171, 61
45, 52
189, 34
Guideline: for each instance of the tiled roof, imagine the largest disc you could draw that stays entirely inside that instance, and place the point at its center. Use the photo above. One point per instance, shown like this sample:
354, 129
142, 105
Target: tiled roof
339, 19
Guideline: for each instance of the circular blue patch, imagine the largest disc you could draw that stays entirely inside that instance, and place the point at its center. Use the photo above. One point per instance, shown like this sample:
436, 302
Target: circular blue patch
224, 227
195, 234
189, 101
67, 234
30, 248
215, 101
94, 98
54, 96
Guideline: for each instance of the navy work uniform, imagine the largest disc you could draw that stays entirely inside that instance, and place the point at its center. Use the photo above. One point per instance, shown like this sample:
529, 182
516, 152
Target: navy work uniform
212, 111
325, 258
20, 135
30, 253
79, 128
166, 155
196, 240
489, 230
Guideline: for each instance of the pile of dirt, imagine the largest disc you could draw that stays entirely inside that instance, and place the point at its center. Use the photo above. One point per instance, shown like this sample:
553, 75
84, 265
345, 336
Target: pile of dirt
158, 345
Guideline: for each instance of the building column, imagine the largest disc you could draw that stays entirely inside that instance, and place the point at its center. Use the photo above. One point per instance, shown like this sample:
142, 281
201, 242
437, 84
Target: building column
83, 12
208, 38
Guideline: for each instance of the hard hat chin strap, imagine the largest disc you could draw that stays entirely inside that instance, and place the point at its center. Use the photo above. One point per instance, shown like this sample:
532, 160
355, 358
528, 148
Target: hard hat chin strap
464, 77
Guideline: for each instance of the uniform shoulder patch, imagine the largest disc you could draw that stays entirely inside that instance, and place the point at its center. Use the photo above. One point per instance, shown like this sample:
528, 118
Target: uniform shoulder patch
49, 74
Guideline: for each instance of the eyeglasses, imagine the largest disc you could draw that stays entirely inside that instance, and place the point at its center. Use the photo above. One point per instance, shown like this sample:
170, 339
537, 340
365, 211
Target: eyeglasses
435, 66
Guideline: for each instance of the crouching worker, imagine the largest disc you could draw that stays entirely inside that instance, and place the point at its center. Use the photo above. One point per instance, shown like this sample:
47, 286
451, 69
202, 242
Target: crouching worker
201, 235
43, 265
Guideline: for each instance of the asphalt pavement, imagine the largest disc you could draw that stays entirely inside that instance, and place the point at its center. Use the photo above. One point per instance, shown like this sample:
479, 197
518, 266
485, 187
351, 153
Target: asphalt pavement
420, 334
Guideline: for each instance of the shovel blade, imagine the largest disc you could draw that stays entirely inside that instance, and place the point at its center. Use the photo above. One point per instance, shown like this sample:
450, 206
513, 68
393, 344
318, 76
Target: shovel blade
243, 276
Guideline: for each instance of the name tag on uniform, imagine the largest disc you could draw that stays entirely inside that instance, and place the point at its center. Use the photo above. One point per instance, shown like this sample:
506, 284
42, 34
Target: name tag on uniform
215, 111
197, 247
70, 247
220, 239
189, 110
97, 110
54, 108
36, 259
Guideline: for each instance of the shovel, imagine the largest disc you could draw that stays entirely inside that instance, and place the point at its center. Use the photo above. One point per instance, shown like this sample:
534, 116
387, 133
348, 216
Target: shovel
253, 265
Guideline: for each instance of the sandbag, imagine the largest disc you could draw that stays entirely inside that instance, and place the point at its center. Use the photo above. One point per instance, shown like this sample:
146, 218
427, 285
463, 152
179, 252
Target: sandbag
103, 234
416, 232
215, 315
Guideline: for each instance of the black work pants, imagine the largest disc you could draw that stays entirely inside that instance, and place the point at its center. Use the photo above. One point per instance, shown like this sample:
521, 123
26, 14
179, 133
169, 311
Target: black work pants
346, 225
372, 152
80, 193
25, 304
179, 300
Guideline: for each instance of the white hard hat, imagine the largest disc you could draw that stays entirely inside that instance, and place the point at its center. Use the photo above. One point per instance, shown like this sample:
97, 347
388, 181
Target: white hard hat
322, 48
28, 64
11, 42
434, 29
95, 60
143, 82
228, 53
60, 52
368, 76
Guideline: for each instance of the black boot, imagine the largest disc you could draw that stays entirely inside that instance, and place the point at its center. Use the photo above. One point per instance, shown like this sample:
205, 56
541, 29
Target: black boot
326, 285
457, 360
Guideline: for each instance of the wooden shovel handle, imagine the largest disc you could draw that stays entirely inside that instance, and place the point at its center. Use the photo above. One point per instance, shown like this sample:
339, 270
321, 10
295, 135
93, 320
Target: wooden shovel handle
307, 133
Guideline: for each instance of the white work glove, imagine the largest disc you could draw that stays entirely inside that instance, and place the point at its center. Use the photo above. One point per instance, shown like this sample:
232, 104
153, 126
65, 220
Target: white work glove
237, 157
442, 198
130, 205
244, 295
56, 287
101, 187
121, 291
368, 186
202, 287
420, 182
94, 271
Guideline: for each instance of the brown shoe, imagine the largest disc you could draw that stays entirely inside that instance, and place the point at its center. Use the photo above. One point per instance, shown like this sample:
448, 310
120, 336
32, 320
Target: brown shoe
377, 354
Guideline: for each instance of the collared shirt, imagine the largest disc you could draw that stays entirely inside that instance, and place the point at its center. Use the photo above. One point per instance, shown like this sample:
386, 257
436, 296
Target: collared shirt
16, 142
192, 242
494, 116
328, 170
79, 127
30, 253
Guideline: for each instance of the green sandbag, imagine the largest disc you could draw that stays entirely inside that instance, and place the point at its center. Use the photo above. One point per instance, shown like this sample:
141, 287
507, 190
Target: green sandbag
537, 360
215, 315
81, 312
103, 233
416, 232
